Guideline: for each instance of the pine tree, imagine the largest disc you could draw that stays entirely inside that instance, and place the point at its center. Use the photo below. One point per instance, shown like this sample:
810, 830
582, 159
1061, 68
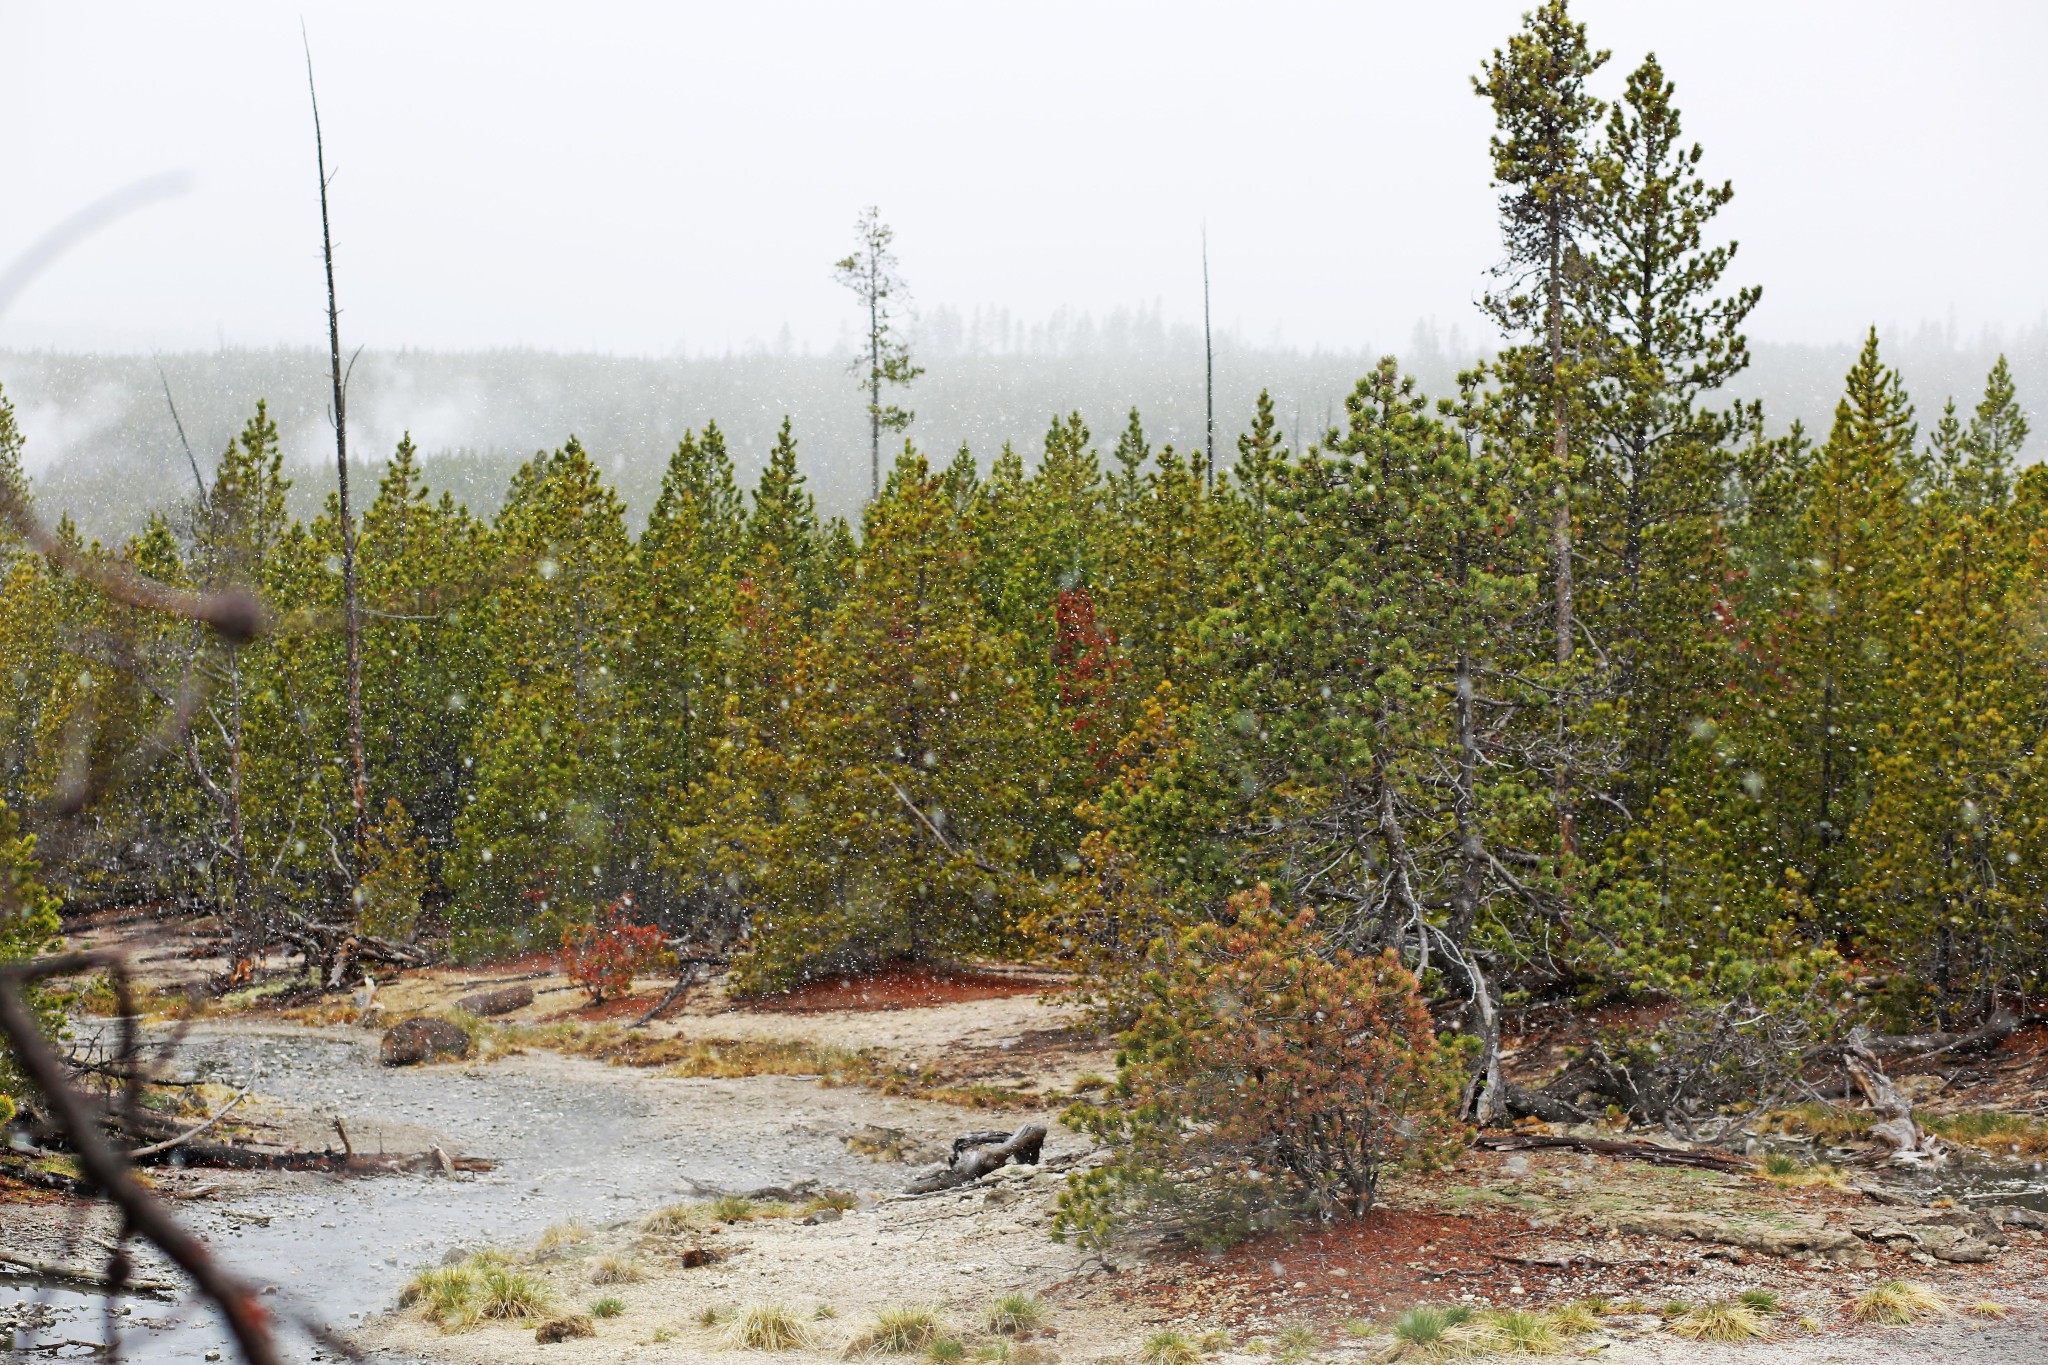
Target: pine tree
540, 839
28, 929
681, 612
1830, 650
870, 272
881, 807
1951, 844
426, 570
1669, 336
1544, 167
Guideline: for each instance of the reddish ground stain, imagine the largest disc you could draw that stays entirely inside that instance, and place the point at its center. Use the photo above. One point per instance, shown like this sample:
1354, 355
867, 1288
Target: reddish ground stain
896, 988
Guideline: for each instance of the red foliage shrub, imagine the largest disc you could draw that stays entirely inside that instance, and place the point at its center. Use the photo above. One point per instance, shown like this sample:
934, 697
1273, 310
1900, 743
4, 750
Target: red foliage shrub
1270, 1075
603, 957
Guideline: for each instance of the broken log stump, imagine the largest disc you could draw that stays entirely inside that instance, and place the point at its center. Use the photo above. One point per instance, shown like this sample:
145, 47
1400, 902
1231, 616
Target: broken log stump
974, 1158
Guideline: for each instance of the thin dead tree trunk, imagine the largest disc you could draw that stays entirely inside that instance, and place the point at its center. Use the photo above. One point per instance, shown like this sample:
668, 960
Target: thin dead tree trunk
1208, 364
874, 375
351, 614
1560, 534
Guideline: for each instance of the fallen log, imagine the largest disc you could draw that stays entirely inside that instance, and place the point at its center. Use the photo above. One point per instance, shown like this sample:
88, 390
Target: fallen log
976, 1159
503, 1000
223, 1157
78, 1277
1986, 1037
1648, 1152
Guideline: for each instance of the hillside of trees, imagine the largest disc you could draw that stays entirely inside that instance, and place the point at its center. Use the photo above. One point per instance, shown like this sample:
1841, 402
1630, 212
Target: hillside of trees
1573, 677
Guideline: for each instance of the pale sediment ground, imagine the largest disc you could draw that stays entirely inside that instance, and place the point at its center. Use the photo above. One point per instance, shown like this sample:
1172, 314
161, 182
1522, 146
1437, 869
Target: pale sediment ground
579, 1140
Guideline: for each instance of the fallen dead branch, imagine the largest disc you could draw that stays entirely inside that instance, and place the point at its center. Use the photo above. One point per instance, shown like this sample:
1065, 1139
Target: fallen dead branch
77, 1277
168, 1144
1648, 1152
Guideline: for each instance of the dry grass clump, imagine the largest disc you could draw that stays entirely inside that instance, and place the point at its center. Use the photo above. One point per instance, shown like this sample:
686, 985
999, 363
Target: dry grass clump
615, 1270
1015, 1312
1898, 1303
766, 1327
1169, 1348
1296, 1342
1991, 1129
1577, 1319
1988, 1308
674, 1219
561, 1235
1790, 1172
846, 1201
1822, 1122
1519, 1331
737, 1208
1721, 1320
898, 1331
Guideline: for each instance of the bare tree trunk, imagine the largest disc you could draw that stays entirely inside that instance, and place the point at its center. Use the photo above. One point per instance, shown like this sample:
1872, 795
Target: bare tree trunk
1560, 534
351, 614
238, 848
1208, 363
874, 376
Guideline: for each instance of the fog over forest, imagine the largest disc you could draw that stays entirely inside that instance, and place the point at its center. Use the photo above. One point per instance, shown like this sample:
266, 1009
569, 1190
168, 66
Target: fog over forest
101, 443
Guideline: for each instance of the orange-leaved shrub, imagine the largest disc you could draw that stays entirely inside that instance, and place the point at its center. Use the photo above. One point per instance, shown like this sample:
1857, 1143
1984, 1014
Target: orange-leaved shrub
1271, 1076
604, 956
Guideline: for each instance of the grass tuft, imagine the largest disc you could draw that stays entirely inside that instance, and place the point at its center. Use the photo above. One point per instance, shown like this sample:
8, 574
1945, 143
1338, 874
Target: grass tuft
1576, 1319
561, 1235
1991, 1129
1761, 1300
1522, 1331
1897, 1303
1790, 1172
674, 1219
1015, 1312
607, 1307
1721, 1320
1169, 1348
946, 1351
846, 1201
732, 1208
615, 1270
766, 1327
1988, 1308
1425, 1324
508, 1295
898, 1331
443, 1295
1297, 1342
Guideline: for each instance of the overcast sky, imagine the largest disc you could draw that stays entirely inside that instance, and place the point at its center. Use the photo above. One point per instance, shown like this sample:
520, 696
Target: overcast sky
648, 178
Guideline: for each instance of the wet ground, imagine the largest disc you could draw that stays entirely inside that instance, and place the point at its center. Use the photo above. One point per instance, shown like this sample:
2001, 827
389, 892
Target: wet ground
572, 1138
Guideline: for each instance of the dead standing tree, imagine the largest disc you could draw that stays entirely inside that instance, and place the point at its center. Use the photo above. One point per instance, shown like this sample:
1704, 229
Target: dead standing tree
351, 609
